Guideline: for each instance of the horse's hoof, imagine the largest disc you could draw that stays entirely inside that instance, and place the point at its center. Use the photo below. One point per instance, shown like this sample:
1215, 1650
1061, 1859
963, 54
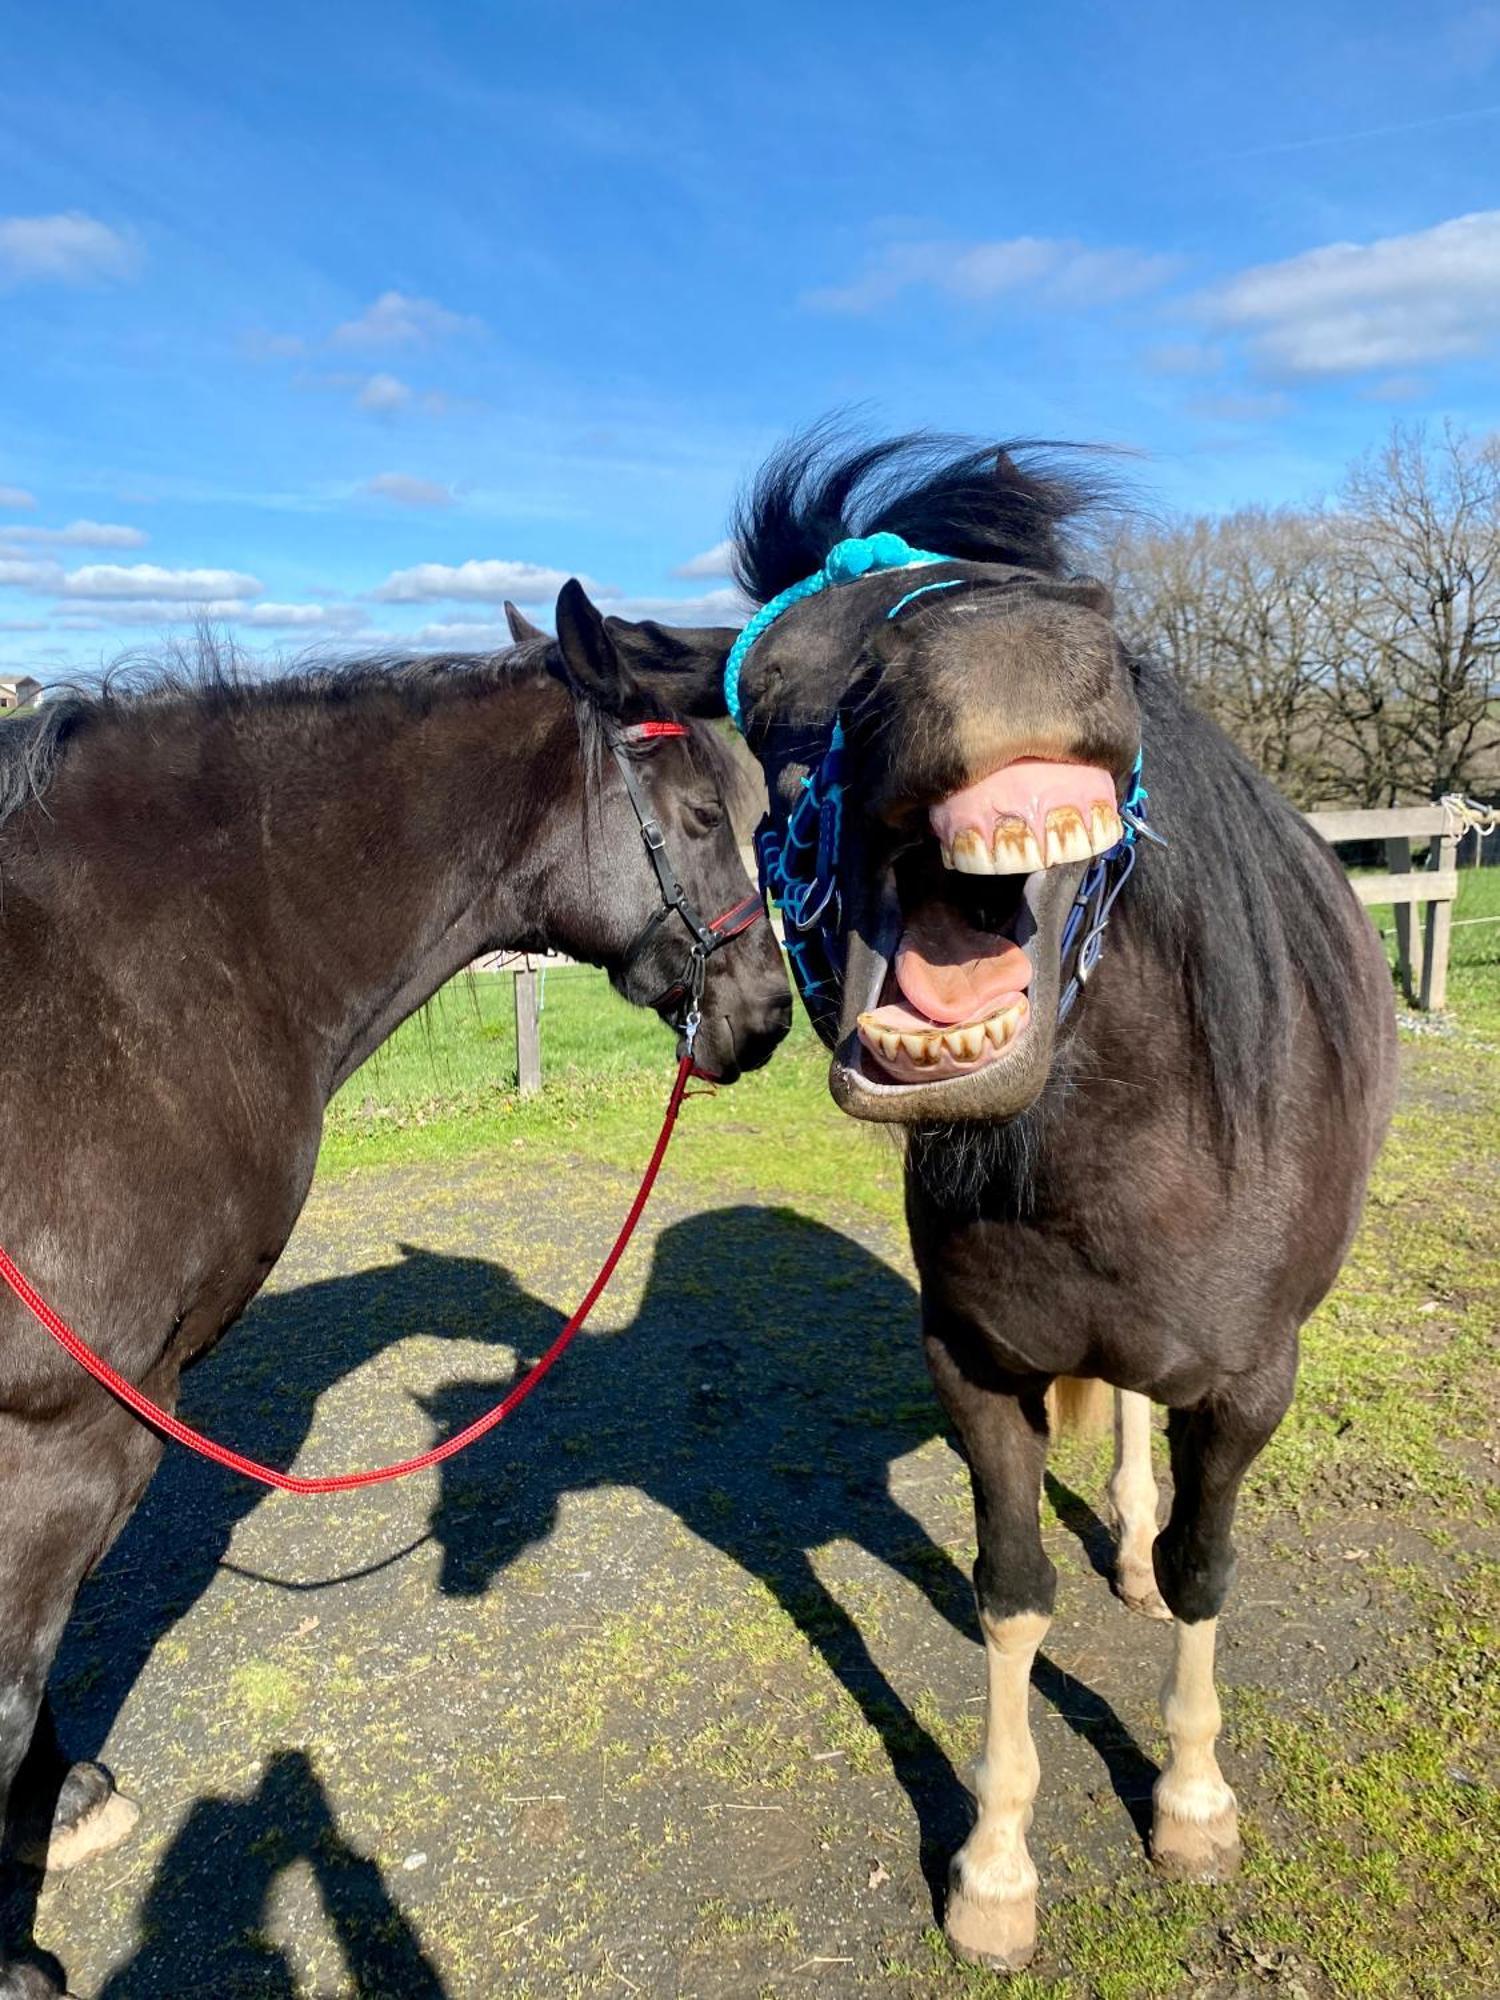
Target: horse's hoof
988, 1931
1193, 1850
1137, 1591
28, 1982
103, 1825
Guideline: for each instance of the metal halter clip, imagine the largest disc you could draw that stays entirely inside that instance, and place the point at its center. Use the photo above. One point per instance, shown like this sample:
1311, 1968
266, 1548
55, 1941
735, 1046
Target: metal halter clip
1138, 826
696, 977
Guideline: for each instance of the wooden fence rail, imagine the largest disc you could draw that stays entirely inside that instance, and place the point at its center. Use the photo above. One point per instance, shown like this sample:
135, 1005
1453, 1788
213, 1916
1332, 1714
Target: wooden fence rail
1422, 957
1421, 952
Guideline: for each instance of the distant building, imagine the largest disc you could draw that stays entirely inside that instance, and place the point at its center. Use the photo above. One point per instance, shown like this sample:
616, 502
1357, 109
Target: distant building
16, 693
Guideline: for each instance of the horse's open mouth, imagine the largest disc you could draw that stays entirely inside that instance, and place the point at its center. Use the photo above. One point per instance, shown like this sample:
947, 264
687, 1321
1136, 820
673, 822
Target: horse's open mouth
979, 919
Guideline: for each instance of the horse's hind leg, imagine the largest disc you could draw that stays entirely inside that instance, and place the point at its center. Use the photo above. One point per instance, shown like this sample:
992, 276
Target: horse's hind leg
1195, 1820
1132, 1500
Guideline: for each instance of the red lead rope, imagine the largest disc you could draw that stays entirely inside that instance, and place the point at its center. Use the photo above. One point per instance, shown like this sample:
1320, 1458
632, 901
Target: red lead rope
288, 1482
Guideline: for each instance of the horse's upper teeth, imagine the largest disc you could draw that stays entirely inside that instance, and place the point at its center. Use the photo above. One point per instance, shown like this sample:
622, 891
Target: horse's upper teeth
970, 855
1014, 848
1067, 836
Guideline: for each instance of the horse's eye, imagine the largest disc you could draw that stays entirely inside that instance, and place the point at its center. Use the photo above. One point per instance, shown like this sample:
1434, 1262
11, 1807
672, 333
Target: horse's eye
705, 814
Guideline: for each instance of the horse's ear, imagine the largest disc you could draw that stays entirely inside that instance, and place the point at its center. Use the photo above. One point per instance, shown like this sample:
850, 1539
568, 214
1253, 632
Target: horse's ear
591, 662
682, 664
521, 628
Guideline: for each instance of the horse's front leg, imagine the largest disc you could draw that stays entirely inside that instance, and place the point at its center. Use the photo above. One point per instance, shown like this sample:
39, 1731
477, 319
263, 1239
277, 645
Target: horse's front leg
62, 1500
991, 1911
1132, 1501
1195, 1819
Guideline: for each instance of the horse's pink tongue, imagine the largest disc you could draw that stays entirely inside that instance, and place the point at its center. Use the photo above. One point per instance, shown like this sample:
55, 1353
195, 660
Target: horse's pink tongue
951, 972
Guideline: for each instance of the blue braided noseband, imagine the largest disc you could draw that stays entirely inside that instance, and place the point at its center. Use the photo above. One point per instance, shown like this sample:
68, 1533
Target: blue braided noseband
799, 861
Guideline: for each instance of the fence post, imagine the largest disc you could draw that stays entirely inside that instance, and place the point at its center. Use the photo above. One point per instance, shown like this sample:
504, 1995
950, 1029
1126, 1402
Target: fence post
1408, 928
1439, 929
528, 1033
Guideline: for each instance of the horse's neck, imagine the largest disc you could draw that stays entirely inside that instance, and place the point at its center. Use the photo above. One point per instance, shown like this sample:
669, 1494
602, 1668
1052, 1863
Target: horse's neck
338, 862
429, 847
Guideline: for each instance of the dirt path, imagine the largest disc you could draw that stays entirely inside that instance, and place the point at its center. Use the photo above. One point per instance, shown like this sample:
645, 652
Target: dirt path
663, 1689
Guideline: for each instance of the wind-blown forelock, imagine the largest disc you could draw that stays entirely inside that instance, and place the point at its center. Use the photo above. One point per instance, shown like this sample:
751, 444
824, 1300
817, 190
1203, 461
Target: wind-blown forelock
1004, 503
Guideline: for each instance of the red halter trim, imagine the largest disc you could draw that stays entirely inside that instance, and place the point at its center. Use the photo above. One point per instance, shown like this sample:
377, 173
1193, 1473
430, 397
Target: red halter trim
639, 732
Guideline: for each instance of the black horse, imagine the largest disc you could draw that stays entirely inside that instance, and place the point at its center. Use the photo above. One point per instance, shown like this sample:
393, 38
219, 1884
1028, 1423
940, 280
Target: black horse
1157, 1189
216, 898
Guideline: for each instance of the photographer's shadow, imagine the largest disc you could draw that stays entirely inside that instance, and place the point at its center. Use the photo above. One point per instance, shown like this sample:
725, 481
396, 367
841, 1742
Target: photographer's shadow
197, 1942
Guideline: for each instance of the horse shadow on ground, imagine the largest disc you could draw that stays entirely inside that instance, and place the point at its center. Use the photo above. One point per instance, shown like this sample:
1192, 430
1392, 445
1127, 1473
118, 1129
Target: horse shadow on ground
769, 1380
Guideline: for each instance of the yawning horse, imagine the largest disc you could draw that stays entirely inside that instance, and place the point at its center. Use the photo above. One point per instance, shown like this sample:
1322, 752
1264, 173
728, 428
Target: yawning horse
1142, 1086
216, 898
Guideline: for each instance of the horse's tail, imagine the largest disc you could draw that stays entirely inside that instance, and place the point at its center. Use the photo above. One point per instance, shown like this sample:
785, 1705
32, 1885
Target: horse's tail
1079, 1407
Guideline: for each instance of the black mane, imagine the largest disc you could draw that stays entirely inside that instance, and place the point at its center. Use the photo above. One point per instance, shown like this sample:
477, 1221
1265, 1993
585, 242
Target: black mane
1002, 503
210, 679
1248, 902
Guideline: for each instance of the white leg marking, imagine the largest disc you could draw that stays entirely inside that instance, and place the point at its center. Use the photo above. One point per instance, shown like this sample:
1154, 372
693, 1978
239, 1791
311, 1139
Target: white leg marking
1194, 1831
1132, 1500
992, 1895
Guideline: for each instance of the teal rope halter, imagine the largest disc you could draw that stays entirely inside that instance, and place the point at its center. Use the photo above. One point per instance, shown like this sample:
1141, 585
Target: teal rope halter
845, 562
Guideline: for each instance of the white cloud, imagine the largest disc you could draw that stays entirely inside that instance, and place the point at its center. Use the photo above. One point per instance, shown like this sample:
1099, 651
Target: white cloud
1184, 357
157, 611
398, 320
263, 346
1346, 308
714, 607
146, 580
29, 575
23, 625
408, 491
16, 496
71, 249
1055, 271
77, 535
383, 394
477, 582
461, 634
1240, 406
340, 617
717, 561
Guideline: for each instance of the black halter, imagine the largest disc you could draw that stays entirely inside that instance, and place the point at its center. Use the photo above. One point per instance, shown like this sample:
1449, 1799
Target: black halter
686, 991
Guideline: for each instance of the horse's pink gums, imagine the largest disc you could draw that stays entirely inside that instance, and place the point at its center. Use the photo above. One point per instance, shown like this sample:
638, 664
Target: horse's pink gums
1026, 790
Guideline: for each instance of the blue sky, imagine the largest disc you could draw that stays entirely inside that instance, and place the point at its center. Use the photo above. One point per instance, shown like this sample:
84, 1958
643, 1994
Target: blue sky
343, 323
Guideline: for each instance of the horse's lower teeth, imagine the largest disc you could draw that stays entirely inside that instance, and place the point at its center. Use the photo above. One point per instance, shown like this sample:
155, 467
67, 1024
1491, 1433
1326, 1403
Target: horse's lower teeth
964, 1044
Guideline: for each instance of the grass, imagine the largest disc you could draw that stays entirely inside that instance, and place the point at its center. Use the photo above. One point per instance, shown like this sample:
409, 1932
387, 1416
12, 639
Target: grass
444, 1088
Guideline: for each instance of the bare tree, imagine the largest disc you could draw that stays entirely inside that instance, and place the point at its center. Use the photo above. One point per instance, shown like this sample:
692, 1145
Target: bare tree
1235, 608
1352, 650
1417, 594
